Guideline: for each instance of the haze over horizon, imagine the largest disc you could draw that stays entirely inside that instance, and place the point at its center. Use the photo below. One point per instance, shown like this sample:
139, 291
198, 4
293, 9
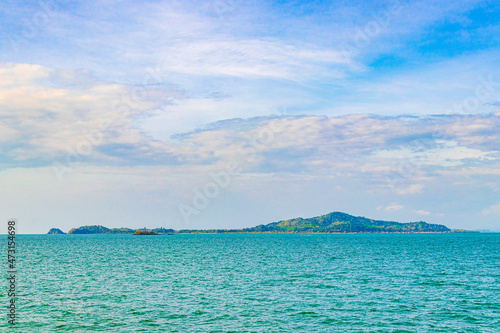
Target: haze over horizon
230, 114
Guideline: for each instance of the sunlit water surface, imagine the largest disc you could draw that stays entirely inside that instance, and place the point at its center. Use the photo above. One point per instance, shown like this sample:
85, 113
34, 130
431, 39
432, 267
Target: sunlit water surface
258, 283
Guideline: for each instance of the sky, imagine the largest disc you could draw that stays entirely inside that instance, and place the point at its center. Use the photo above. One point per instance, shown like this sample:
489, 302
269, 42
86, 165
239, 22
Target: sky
230, 113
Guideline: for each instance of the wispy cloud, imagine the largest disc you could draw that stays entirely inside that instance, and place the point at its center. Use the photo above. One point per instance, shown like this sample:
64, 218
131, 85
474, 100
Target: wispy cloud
492, 210
422, 212
445, 153
251, 59
391, 208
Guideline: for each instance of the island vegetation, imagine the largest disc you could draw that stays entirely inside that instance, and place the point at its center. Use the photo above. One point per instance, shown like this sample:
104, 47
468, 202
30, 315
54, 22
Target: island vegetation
144, 233
336, 222
56, 231
99, 229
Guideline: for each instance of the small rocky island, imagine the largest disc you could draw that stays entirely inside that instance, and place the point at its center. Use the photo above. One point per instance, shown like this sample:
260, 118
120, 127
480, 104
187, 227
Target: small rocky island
144, 233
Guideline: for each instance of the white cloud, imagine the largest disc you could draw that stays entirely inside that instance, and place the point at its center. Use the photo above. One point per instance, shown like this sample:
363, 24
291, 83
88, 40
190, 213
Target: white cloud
250, 58
492, 210
411, 189
12, 74
44, 119
391, 208
422, 212
446, 153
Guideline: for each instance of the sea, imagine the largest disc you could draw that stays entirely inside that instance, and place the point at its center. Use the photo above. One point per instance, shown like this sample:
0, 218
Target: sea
256, 283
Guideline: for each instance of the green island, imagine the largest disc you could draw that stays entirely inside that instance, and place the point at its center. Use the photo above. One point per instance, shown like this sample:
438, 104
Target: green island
55, 231
335, 222
99, 229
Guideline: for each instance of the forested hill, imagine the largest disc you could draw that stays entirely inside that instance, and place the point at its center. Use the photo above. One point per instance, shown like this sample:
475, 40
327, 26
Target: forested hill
335, 222
342, 222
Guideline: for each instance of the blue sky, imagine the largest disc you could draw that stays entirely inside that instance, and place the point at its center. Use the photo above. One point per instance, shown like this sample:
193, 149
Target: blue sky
228, 113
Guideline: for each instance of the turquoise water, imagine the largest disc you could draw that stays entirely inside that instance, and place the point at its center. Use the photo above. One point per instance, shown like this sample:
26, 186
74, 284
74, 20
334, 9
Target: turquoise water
258, 283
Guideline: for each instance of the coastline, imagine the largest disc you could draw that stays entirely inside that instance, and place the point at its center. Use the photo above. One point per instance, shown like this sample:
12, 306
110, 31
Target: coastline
331, 223
291, 233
